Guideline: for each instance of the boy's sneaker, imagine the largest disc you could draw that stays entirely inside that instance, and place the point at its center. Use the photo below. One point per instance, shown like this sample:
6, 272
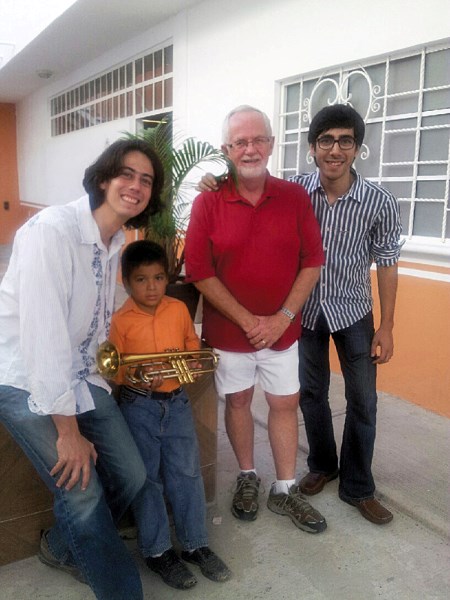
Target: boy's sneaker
301, 513
172, 570
245, 500
210, 564
45, 556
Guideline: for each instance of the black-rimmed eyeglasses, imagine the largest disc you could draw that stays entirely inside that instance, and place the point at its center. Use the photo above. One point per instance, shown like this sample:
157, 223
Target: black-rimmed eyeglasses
345, 142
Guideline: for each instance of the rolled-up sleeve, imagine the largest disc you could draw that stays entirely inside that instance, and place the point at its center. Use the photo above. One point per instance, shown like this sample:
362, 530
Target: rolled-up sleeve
386, 243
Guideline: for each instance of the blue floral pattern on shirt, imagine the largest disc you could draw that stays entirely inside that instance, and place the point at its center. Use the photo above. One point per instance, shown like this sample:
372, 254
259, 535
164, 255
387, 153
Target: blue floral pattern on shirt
97, 271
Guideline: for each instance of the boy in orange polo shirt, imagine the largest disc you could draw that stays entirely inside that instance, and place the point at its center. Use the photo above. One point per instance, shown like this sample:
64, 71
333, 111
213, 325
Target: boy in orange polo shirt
160, 418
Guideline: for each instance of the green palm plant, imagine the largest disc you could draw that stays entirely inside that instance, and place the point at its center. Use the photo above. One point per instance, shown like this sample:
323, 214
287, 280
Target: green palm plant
168, 227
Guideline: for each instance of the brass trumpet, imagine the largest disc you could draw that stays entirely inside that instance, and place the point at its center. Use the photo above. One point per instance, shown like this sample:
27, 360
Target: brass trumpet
167, 364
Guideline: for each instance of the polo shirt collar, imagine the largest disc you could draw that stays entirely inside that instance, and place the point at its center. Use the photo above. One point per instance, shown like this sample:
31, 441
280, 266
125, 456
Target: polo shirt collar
231, 194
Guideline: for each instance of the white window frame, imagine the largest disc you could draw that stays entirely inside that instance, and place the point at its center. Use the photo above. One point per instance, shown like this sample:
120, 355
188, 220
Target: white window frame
334, 86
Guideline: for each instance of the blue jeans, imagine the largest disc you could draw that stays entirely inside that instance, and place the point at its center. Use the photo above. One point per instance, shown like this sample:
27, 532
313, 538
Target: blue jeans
85, 533
164, 432
353, 348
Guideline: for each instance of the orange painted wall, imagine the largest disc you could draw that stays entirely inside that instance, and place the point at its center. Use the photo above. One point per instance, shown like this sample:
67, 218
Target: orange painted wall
420, 369
10, 219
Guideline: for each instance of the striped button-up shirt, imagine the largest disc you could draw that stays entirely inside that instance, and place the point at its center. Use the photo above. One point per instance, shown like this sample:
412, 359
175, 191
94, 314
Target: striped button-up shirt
361, 227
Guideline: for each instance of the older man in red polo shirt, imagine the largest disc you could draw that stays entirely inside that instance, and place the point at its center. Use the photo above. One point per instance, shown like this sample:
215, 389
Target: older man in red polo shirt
254, 251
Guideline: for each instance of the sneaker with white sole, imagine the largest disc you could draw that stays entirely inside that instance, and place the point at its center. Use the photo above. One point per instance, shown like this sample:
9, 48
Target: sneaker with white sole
295, 506
245, 500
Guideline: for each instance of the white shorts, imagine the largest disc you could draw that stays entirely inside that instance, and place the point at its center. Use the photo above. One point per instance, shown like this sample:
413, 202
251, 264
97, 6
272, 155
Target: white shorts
275, 370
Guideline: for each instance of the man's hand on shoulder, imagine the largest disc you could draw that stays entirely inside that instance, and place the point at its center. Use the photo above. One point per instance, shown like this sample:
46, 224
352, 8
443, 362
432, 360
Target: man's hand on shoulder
210, 183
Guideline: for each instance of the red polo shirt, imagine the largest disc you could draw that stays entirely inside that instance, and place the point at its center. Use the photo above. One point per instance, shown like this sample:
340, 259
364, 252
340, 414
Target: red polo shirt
255, 251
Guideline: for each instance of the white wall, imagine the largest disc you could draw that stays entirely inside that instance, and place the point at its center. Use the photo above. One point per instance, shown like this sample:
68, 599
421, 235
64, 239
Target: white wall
225, 54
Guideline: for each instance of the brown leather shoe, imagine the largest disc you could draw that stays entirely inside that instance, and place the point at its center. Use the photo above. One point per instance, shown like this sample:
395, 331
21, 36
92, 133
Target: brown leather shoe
313, 483
372, 510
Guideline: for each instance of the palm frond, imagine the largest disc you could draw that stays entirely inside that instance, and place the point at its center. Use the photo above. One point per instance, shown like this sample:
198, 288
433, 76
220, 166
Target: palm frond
168, 228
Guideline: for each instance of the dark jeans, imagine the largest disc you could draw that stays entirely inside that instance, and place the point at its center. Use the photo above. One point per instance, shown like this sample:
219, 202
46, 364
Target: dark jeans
353, 348
164, 432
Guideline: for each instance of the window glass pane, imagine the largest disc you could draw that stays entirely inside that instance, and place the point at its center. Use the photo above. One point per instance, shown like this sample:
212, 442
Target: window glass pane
437, 99
92, 114
404, 75
148, 67
428, 219
98, 87
304, 165
115, 114
405, 211
129, 75
168, 100
291, 122
434, 144
108, 83
290, 157
63, 102
158, 63
115, 85
399, 147
82, 100
400, 189
324, 94
437, 70
103, 92
122, 107
401, 123
291, 137
430, 189
122, 79
148, 97
402, 105
398, 171
158, 95
129, 104
360, 90
434, 120
138, 70
432, 170
138, 100
292, 98
168, 59
369, 167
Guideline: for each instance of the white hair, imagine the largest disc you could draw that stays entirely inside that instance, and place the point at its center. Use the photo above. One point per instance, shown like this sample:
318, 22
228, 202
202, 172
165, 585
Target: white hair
240, 109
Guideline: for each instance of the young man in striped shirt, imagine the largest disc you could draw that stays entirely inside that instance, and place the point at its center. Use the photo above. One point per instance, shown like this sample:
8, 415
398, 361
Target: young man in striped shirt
360, 224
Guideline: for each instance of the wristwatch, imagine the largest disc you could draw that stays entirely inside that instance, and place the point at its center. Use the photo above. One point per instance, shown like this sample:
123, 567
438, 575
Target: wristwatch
290, 315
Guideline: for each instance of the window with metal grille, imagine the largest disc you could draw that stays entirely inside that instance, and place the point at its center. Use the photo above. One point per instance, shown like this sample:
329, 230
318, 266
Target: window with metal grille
404, 99
143, 85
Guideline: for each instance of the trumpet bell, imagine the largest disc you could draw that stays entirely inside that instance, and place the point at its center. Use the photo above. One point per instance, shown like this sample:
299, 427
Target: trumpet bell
108, 360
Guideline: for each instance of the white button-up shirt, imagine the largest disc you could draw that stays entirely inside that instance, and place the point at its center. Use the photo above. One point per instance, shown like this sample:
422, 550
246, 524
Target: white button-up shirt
56, 302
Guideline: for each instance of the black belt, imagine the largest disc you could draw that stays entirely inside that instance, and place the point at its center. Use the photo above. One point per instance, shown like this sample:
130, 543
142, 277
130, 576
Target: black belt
155, 395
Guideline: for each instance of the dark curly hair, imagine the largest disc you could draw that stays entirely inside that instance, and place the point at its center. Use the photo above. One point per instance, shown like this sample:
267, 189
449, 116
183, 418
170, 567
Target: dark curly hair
337, 116
109, 164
